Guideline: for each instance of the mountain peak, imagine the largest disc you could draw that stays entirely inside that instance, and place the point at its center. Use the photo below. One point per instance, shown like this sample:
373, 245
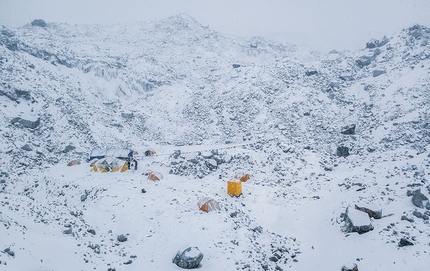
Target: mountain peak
182, 20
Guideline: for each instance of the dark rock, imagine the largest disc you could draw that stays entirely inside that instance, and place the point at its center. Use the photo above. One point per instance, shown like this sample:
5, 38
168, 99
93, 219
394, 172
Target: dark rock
128, 262
348, 130
190, 258
371, 149
372, 44
258, 229
68, 231
418, 198
7, 33
353, 267
342, 151
9, 252
417, 214
68, 148
377, 73
143, 190
273, 259
234, 214
235, 66
405, 242
26, 123
372, 214
95, 248
84, 196
407, 219
127, 115
346, 77
93, 232
384, 41
122, 238
211, 164
38, 22
27, 147
377, 52
13, 46
176, 154
364, 61
309, 73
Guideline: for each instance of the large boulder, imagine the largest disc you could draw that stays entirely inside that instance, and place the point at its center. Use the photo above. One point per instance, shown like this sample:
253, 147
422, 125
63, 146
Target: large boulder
26, 123
342, 151
38, 22
348, 130
364, 61
377, 73
190, 258
356, 221
419, 199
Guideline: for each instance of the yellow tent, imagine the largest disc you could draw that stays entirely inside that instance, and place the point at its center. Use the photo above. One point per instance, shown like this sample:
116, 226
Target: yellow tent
234, 187
110, 164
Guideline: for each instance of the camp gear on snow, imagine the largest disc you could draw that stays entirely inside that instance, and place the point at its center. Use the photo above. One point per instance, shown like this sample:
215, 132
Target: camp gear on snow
234, 187
132, 163
207, 204
110, 164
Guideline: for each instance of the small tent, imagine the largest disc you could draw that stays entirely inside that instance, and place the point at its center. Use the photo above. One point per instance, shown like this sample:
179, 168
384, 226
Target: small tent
154, 176
208, 204
73, 163
242, 177
110, 164
150, 152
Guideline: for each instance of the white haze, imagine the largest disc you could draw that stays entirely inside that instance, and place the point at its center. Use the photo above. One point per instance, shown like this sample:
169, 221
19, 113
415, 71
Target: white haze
321, 25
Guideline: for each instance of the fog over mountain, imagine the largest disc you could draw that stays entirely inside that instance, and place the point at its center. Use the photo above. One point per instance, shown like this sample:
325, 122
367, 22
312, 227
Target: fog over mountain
324, 137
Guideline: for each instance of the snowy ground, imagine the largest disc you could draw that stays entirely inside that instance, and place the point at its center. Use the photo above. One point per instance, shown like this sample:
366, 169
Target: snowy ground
46, 222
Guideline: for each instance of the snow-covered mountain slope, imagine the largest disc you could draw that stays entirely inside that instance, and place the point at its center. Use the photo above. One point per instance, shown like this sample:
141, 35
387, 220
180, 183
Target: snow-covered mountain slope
211, 106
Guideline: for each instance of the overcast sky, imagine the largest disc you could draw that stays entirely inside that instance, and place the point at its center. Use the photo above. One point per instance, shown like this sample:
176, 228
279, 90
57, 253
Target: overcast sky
320, 24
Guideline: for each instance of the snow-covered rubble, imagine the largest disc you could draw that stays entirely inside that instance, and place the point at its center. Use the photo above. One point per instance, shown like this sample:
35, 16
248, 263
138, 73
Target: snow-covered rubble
317, 134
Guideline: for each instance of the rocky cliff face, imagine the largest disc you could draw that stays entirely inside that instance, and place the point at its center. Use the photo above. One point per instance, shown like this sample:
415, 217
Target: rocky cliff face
177, 82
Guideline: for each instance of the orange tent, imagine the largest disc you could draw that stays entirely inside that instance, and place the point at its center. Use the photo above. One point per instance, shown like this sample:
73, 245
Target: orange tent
73, 163
207, 204
154, 176
242, 177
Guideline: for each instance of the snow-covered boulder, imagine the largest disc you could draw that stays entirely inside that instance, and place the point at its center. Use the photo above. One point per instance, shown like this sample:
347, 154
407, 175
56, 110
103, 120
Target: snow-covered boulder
419, 198
32, 124
377, 73
190, 258
356, 221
